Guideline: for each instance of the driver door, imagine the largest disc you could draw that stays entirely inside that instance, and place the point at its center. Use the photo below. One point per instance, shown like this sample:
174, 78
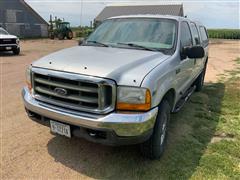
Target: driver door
185, 69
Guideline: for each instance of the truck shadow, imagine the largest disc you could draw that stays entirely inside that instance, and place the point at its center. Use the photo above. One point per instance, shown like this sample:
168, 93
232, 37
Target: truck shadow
191, 130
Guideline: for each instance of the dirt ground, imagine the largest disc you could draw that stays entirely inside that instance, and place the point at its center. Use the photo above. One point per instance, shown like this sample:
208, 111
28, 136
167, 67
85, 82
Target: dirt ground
28, 150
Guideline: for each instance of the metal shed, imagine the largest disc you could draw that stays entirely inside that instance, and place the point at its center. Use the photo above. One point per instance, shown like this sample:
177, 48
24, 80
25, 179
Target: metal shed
110, 11
18, 18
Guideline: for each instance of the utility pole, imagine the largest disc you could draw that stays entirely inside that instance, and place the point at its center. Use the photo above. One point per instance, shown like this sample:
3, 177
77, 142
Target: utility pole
81, 13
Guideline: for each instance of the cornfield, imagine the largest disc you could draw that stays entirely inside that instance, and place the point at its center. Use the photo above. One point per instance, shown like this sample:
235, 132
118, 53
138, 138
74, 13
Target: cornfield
224, 33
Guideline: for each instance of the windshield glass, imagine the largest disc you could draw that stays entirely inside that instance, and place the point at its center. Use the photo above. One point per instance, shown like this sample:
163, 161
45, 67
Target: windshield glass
147, 32
64, 25
3, 32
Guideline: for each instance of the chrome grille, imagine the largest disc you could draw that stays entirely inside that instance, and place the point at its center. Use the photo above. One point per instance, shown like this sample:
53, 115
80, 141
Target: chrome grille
74, 91
7, 41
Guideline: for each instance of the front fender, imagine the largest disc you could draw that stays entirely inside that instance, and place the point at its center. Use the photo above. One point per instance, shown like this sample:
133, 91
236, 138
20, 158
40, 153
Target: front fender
160, 80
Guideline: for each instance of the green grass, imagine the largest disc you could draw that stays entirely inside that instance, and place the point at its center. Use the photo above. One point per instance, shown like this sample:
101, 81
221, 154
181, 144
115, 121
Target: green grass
221, 158
204, 139
203, 142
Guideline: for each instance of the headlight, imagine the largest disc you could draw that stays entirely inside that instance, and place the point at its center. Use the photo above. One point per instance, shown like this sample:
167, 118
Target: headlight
133, 98
17, 41
29, 77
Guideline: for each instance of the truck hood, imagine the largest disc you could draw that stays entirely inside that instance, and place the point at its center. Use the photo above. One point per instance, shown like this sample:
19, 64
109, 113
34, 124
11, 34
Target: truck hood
125, 66
3, 36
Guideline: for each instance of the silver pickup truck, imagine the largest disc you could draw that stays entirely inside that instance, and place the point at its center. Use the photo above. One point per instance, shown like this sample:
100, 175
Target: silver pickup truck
120, 85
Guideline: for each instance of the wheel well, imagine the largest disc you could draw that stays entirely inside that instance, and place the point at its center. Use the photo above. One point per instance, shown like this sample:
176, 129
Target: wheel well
170, 97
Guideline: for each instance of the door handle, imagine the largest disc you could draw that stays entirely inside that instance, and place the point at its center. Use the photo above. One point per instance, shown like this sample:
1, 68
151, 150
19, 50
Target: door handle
195, 61
178, 70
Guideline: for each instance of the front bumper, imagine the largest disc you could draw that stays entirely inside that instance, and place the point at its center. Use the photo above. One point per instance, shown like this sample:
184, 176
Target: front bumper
8, 47
122, 124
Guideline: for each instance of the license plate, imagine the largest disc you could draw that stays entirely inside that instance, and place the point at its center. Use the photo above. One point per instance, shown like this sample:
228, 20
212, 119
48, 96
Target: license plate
60, 128
8, 48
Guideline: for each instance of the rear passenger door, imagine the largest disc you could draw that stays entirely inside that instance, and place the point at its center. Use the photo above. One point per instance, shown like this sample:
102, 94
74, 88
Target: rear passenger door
204, 42
185, 69
196, 42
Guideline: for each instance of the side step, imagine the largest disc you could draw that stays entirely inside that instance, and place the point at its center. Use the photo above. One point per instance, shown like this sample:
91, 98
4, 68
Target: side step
184, 99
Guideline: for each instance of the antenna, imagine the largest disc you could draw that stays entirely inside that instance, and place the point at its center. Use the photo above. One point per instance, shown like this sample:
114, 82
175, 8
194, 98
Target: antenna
81, 13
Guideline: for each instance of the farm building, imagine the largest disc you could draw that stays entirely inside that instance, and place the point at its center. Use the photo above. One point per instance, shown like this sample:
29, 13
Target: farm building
18, 18
110, 11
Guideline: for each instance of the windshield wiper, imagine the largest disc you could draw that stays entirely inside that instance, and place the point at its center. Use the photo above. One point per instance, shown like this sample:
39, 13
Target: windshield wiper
99, 43
138, 46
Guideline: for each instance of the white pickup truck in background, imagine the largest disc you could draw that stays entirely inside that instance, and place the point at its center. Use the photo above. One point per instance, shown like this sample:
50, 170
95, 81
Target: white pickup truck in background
9, 42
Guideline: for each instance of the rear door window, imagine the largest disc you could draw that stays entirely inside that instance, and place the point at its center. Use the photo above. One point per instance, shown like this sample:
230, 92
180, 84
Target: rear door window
196, 38
204, 35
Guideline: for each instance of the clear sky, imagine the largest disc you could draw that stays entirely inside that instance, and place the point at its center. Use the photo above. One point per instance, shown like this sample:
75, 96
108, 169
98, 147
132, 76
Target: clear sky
212, 13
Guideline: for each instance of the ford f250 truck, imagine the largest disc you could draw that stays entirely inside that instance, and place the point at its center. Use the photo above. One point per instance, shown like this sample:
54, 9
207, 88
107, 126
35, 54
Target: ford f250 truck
121, 84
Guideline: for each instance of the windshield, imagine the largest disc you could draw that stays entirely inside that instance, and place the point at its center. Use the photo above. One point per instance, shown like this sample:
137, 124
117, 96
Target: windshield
146, 32
64, 25
3, 32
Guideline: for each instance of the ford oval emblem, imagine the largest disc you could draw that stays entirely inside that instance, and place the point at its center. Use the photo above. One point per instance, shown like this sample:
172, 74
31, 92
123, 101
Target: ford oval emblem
60, 91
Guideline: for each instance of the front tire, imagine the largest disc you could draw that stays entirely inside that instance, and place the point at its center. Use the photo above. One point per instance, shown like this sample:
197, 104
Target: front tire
69, 35
51, 36
154, 147
60, 36
16, 51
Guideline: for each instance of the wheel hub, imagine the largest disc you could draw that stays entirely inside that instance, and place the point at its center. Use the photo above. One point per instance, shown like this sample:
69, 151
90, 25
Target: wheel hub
164, 127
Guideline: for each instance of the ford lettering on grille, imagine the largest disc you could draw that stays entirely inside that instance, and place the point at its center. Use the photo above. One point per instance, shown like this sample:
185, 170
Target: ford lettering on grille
60, 91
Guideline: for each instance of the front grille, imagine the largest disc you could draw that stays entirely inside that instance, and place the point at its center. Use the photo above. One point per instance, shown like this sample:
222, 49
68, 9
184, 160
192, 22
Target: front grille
79, 93
7, 41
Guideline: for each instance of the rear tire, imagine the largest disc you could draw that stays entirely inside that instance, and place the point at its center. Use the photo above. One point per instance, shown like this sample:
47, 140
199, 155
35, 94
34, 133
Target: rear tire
200, 80
154, 147
16, 51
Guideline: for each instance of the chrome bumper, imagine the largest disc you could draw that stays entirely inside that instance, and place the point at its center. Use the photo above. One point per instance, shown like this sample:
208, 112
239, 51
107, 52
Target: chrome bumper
10, 45
131, 124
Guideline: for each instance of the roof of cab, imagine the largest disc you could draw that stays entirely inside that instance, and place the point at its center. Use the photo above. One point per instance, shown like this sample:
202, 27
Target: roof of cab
177, 18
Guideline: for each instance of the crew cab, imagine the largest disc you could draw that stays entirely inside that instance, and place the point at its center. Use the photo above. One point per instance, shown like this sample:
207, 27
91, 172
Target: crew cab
121, 84
9, 42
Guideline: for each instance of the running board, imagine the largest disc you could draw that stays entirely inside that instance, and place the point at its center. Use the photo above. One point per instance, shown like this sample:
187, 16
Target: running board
184, 99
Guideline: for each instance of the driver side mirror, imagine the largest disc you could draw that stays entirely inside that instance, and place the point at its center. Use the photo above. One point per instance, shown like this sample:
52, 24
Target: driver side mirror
81, 41
194, 52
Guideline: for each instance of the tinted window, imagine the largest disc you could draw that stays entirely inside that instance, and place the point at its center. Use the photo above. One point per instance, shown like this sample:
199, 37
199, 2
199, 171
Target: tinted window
195, 34
186, 37
203, 33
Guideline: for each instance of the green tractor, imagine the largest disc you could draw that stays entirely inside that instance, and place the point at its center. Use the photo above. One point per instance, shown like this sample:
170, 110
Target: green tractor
59, 29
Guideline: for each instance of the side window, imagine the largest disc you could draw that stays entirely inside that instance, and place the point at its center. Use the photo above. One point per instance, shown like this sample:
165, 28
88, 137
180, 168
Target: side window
204, 36
186, 37
195, 34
